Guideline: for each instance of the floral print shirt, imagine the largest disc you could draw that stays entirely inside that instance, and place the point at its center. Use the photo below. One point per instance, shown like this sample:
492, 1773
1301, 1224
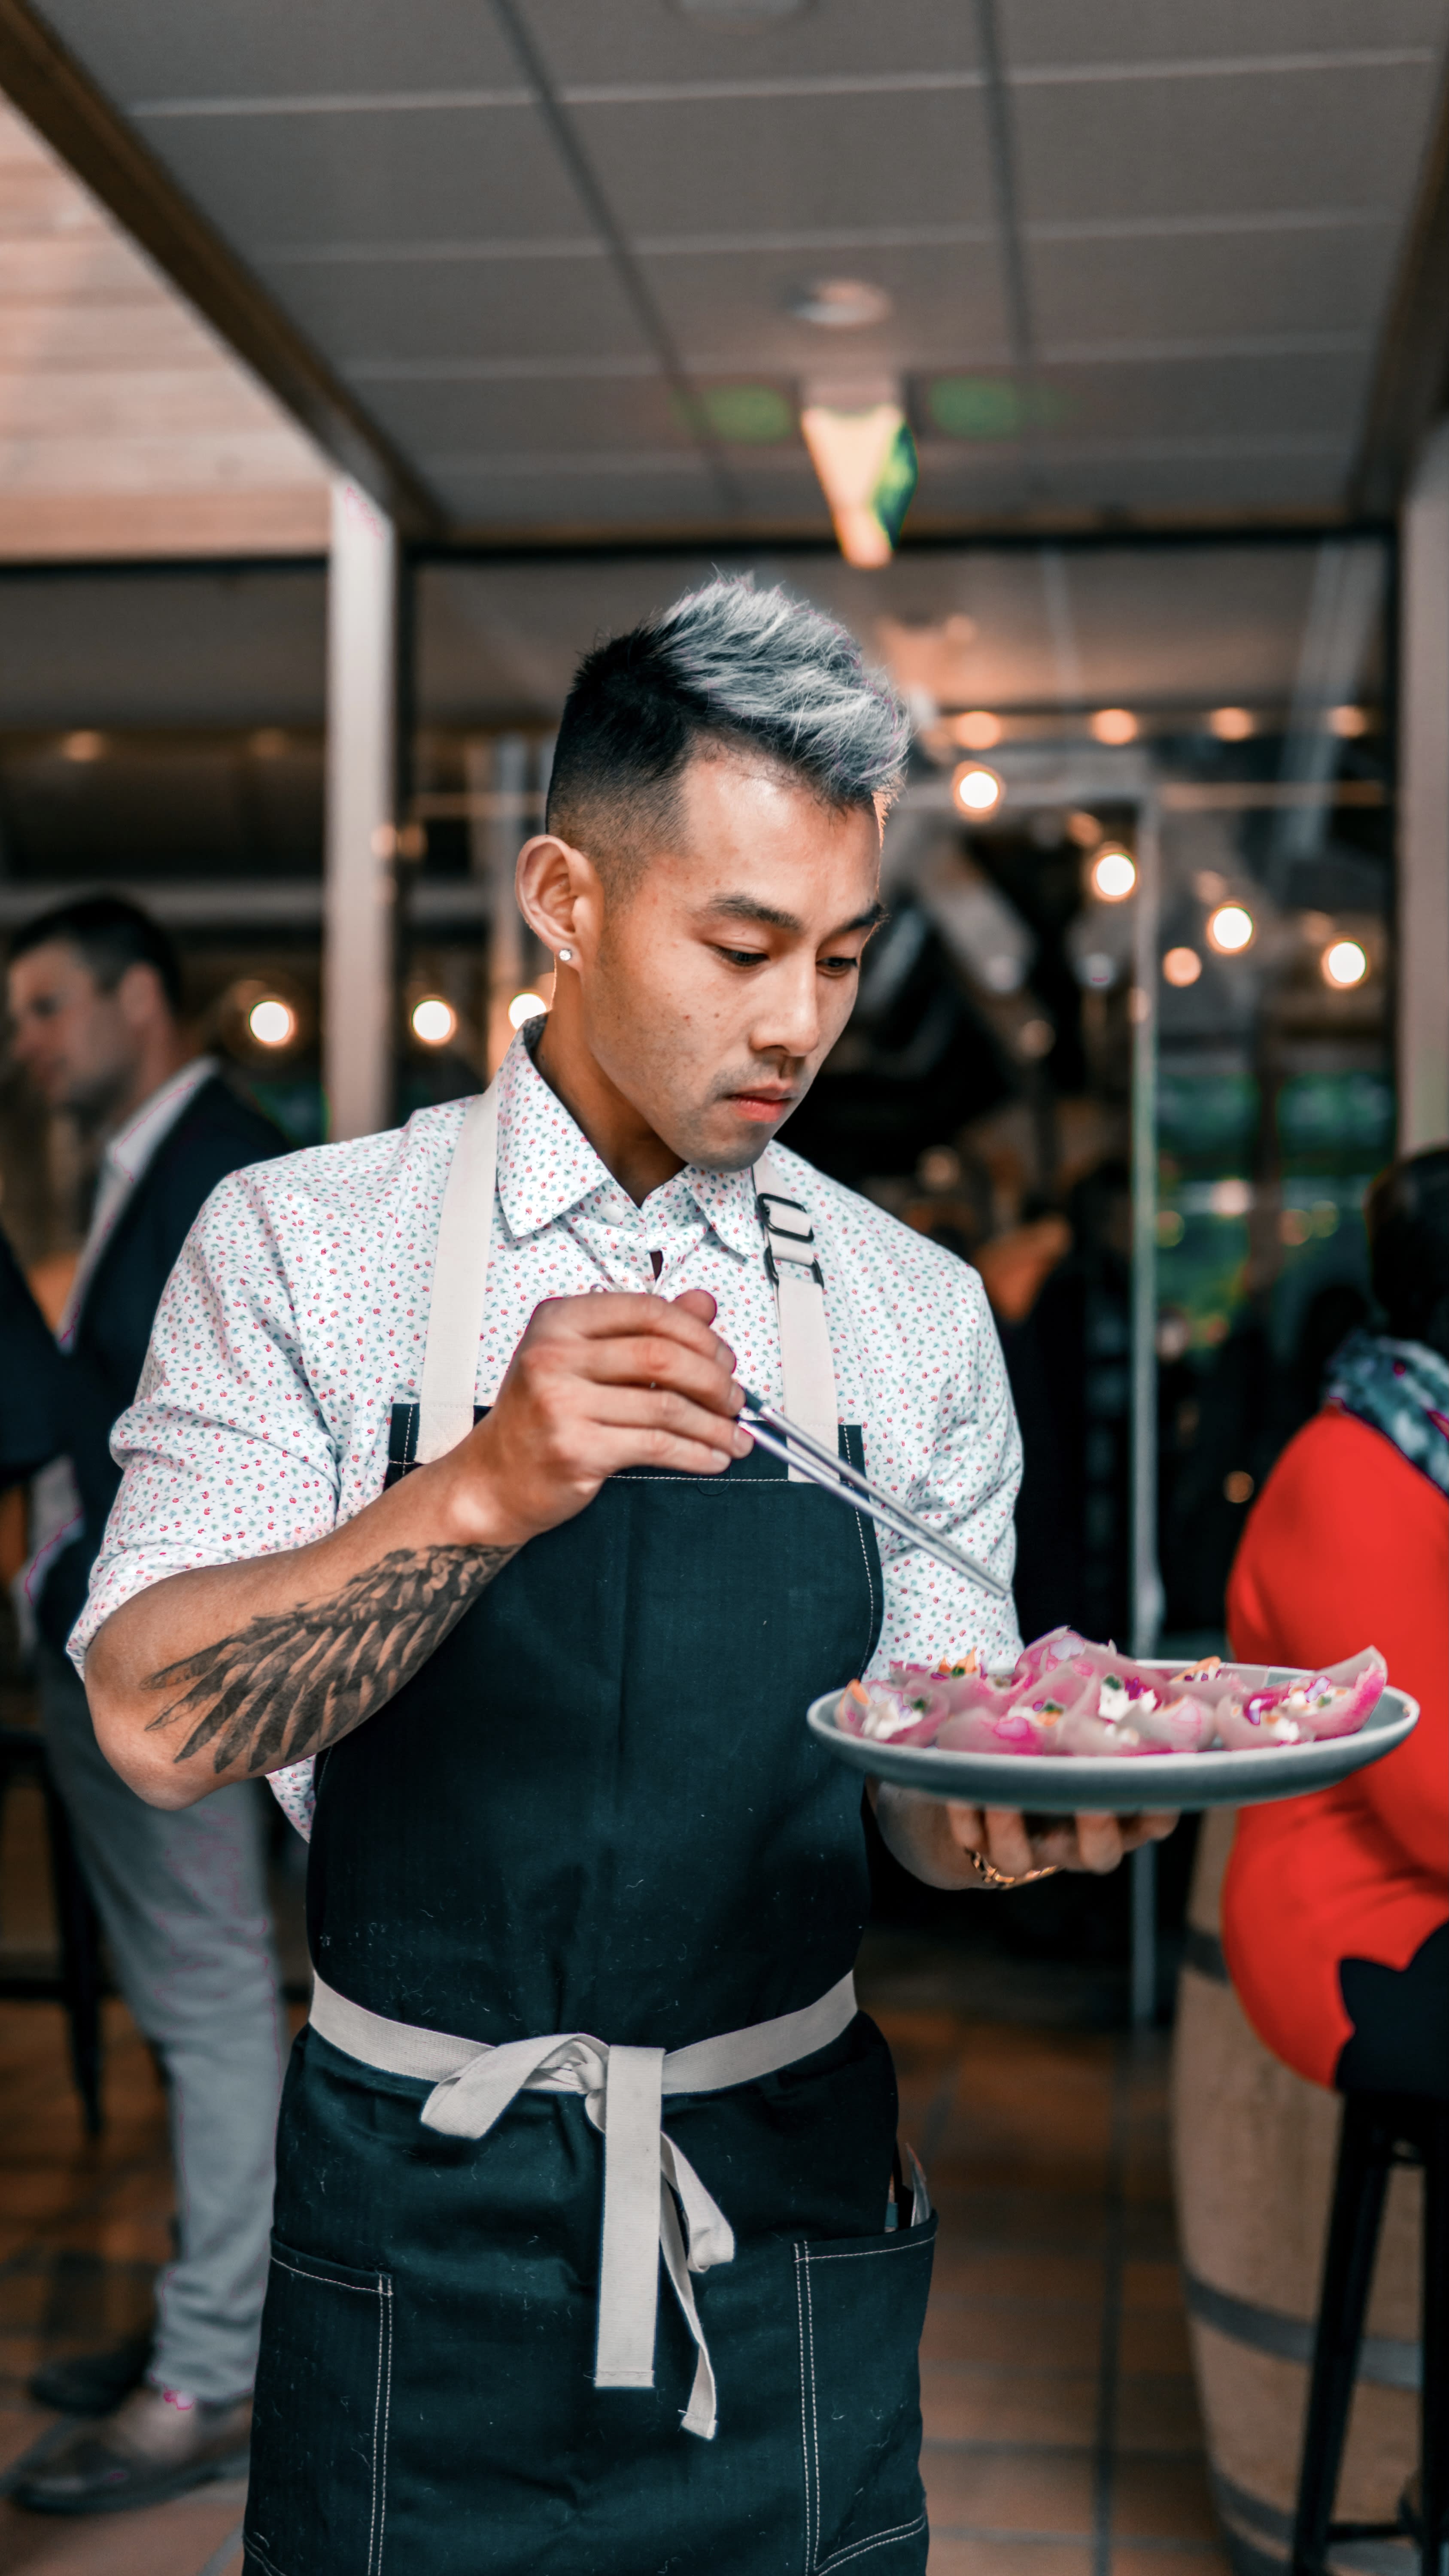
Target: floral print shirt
297, 1315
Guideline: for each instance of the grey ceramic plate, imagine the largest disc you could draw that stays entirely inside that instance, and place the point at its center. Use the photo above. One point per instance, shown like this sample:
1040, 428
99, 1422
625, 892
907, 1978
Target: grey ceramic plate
1059, 1784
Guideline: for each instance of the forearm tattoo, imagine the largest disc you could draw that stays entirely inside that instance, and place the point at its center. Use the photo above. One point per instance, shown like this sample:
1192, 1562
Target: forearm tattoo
293, 1681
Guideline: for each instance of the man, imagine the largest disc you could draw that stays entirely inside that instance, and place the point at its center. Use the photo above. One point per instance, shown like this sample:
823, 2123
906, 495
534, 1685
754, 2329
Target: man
577, 1863
95, 1008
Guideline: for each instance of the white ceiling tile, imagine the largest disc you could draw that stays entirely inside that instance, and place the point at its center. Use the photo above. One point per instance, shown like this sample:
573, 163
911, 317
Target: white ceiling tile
766, 164
619, 40
1240, 398
1130, 31
422, 174
1165, 147
152, 49
419, 311
1174, 288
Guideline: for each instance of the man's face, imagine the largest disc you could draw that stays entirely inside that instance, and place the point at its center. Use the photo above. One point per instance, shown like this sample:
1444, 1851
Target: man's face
77, 1043
727, 970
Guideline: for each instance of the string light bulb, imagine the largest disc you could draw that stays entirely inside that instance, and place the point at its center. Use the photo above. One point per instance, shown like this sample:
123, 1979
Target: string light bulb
977, 790
1231, 929
525, 1006
272, 1022
1114, 725
1114, 874
434, 1021
1344, 963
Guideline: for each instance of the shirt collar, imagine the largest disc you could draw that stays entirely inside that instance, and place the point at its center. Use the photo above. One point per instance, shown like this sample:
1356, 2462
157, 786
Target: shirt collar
132, 1146
546, 1166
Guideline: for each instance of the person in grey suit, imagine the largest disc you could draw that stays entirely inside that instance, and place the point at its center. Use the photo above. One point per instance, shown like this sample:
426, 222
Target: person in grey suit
95, 1008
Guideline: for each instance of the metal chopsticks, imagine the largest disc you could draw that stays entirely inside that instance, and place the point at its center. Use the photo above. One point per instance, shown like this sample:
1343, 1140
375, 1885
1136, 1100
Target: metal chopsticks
835, 1475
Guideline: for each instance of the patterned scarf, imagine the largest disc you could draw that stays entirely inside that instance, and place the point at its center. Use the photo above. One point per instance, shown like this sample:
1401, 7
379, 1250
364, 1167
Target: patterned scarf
1402, 1389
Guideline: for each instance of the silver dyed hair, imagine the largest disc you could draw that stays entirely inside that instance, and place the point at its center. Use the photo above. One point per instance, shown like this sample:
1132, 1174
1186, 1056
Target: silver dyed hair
788, 674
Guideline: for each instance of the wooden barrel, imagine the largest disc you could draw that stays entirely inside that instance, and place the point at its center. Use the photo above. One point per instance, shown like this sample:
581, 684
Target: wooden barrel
1253, 2151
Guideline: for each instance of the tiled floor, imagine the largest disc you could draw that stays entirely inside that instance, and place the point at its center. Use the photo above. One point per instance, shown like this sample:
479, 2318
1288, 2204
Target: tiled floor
1061, 2434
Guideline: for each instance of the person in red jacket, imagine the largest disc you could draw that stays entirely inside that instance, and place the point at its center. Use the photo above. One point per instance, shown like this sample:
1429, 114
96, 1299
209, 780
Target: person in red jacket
1336, 1907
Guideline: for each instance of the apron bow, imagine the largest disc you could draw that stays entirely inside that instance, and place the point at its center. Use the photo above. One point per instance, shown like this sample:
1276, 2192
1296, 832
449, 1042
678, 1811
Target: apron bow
647, 2181
645, 2176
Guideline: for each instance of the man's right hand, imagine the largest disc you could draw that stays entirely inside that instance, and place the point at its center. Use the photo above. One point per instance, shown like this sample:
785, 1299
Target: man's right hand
597, 1384
224, 1671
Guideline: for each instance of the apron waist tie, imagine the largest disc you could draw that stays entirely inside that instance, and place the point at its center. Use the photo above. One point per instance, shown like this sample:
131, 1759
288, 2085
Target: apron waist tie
644, 2172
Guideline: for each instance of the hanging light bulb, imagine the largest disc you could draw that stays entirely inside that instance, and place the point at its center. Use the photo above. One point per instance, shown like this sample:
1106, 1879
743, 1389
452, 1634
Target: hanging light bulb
525, 1006
862, 450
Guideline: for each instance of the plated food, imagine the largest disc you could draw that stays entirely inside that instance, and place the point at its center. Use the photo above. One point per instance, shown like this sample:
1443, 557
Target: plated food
1066, 1696
1052, 1736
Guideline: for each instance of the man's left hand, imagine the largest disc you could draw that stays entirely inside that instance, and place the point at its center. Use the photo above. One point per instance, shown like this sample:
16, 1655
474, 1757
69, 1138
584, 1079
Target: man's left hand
935, 1839
1094, 1842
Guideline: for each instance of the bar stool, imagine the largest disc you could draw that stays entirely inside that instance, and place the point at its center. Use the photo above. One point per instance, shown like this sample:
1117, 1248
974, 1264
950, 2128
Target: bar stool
79, 1984
1380, 2130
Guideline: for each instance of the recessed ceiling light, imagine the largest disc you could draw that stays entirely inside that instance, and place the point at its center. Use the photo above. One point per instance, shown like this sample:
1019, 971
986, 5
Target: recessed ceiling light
840, 303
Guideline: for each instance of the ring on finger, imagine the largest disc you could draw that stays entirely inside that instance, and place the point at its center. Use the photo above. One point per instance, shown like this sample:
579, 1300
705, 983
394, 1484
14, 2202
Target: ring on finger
990, 1876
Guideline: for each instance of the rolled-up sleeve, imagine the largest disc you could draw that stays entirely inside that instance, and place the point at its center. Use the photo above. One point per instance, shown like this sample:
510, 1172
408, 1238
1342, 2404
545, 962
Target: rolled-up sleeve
226, 1452
966, 1486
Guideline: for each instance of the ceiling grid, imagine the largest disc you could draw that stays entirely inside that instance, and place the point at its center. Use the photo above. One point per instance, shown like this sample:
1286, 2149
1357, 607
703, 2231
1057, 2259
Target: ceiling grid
1131, 263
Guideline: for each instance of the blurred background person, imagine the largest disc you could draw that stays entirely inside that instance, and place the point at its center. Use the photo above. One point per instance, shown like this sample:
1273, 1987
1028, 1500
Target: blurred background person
1336, 1907
95, 1008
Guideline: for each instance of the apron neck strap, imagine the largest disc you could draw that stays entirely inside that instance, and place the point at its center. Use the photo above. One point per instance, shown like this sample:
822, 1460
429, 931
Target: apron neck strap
460, 1280
806, 1366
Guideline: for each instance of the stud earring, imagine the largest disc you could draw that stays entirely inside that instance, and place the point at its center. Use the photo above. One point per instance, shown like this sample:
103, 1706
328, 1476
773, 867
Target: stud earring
565, 957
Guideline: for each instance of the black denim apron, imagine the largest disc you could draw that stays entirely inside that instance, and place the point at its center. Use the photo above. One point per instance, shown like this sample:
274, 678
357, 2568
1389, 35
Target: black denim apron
598, 1808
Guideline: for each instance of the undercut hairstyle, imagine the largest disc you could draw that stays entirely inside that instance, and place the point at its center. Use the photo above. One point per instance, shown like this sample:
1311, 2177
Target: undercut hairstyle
728, 668
109, 934
1407, 1215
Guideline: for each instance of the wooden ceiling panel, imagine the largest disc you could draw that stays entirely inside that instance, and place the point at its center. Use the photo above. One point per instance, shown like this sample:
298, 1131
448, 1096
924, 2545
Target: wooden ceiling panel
126, 428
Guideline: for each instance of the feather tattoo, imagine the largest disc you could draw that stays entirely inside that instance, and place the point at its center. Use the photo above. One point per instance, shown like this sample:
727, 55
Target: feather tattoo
294, 1681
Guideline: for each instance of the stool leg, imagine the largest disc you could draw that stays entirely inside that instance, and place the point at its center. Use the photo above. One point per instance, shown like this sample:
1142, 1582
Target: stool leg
80, 1960
1434, 2438
1353, 2234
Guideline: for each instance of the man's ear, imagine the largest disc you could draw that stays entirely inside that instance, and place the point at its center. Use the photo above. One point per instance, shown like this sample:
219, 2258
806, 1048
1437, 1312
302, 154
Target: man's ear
559, 894
141, 996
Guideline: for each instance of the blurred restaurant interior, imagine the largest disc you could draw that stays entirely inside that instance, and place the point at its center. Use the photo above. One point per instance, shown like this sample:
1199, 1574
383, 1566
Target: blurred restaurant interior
359, 369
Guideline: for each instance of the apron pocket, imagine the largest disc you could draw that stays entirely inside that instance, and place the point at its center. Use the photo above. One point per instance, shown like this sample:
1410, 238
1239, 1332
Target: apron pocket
317, 2504
861, 2306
